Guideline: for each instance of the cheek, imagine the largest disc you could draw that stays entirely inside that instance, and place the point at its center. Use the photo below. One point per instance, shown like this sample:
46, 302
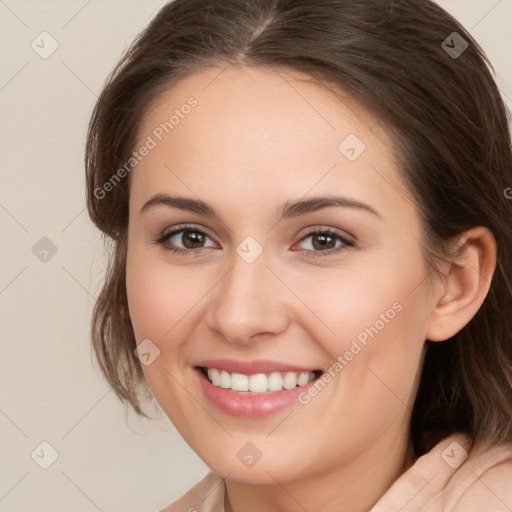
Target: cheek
161, 304
366, 302
377, 322
159, 298
376, 351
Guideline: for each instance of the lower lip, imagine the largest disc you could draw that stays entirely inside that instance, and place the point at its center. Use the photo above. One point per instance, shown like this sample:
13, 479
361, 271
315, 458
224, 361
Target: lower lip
250, 406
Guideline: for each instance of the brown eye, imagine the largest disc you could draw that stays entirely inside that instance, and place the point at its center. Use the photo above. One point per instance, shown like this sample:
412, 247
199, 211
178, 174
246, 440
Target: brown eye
324, 242
185, 240
192, 239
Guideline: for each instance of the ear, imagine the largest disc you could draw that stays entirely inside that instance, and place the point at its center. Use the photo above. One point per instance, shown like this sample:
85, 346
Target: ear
467, 279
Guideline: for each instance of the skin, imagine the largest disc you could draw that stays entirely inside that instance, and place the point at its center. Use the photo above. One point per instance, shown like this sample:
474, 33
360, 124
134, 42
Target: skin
256, 139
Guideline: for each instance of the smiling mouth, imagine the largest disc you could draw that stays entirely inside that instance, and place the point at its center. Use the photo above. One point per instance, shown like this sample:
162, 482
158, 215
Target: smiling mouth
259, 383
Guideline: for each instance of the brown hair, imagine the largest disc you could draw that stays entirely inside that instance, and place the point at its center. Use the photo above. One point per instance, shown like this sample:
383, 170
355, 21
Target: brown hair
451, 133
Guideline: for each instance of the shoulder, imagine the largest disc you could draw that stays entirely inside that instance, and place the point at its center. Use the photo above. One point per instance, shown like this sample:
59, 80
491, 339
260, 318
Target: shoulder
206, 496
489, 482
454, 477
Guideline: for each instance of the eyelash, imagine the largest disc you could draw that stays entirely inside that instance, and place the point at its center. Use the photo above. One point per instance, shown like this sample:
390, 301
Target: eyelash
346, 243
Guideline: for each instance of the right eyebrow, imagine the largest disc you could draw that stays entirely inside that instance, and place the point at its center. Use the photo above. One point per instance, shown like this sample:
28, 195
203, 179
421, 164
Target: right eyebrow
183, 203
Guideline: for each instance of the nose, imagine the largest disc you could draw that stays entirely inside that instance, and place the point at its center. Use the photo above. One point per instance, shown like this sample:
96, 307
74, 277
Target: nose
249, 304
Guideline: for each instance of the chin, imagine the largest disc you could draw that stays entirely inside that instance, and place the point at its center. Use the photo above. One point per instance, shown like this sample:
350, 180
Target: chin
256, 471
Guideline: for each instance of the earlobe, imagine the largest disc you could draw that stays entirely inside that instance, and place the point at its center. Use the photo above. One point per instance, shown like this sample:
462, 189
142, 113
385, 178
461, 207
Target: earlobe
466, 283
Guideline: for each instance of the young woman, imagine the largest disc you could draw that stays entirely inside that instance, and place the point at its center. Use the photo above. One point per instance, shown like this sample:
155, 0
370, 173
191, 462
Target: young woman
310, 209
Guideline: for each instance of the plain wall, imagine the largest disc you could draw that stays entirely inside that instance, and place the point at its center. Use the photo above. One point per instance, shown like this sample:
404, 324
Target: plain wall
49, 389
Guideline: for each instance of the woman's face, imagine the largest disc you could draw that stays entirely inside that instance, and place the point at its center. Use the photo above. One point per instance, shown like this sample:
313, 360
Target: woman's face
271, 283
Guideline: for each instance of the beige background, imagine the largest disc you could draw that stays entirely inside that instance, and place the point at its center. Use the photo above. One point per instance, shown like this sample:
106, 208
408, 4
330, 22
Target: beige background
49, 389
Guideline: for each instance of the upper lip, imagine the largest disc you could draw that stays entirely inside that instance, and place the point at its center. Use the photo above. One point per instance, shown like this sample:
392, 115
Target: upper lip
252, 367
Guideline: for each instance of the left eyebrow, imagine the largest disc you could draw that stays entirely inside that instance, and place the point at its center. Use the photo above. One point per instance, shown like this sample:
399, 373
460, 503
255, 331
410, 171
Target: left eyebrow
290, 209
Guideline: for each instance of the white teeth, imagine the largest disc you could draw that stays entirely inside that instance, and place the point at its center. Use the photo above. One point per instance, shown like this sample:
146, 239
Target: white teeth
239, 382
259, 382
214, 376
303, 379
275, 382
290, 380
224, 380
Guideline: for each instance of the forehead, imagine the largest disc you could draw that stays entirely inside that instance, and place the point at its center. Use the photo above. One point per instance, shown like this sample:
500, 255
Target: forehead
259, 101
265, 132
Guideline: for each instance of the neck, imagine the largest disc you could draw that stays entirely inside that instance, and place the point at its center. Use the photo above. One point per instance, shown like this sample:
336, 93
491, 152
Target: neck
355, 486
